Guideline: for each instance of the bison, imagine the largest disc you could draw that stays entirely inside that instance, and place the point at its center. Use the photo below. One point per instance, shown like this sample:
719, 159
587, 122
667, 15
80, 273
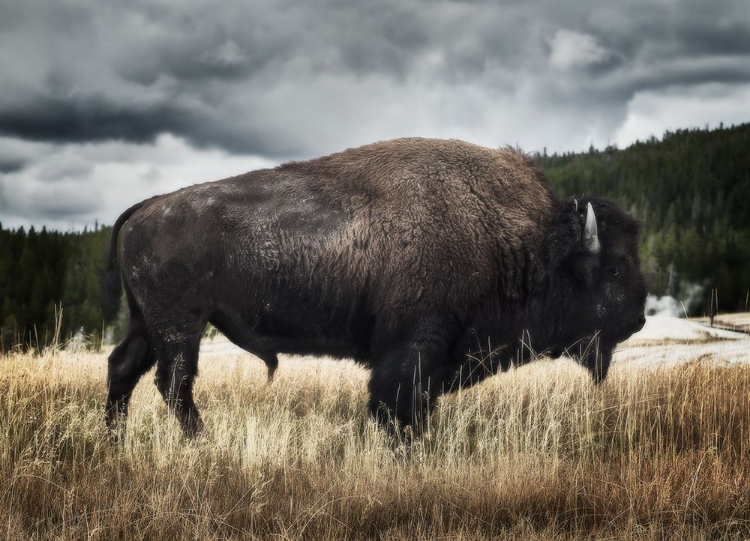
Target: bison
435, 263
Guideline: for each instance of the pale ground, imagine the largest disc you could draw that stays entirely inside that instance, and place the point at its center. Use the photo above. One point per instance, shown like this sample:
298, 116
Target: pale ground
663, 340
670, 340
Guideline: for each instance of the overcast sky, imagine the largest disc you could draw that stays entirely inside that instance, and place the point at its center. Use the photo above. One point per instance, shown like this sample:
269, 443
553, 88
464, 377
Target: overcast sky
106, 102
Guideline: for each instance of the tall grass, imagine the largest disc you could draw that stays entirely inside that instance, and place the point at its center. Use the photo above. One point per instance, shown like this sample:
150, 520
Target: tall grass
537, 453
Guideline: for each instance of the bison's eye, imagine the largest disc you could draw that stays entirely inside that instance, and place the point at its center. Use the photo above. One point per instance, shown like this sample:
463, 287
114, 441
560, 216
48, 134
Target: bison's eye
614, 271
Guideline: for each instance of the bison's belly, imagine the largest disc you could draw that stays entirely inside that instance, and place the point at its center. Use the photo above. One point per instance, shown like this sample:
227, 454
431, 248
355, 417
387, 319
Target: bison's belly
299, 326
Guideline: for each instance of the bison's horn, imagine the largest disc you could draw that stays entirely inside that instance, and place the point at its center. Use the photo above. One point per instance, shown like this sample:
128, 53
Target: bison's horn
590, 233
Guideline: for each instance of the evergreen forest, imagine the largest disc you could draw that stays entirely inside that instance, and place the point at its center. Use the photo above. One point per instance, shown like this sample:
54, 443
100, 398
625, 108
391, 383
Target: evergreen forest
690, 191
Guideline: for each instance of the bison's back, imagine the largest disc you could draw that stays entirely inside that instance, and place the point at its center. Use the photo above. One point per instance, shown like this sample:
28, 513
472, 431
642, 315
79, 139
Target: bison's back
413, 225
444, 220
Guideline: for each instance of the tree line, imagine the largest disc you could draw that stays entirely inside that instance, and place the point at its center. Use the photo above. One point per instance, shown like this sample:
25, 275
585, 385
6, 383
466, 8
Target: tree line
50, 286
690, 191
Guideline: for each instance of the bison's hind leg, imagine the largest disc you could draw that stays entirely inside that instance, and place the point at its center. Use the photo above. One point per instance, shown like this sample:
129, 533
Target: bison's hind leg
127, 363
175, 375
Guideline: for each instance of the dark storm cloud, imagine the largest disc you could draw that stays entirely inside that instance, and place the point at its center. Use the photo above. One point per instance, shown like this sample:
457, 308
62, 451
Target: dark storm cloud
133, 71
286, 79
11, 165
86, 118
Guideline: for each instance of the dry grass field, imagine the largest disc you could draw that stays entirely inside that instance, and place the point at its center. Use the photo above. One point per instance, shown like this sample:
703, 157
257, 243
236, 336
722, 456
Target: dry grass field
659, 451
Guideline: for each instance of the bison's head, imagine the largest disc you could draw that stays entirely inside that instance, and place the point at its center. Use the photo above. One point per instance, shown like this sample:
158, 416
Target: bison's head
594, 249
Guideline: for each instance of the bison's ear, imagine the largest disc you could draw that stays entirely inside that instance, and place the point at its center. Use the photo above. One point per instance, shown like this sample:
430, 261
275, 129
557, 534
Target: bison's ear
584, 267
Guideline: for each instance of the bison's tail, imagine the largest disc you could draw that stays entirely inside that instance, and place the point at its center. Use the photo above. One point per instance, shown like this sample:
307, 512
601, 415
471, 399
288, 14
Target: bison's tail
111, 284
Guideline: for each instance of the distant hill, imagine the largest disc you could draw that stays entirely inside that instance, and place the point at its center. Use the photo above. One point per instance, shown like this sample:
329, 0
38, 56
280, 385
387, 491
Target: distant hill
691, 192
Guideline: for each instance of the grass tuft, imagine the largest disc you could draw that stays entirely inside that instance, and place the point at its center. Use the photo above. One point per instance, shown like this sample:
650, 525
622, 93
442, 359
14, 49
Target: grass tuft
536, 453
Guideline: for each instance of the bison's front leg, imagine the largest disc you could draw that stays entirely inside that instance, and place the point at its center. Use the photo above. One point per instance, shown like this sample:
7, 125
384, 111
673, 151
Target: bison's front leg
406, 380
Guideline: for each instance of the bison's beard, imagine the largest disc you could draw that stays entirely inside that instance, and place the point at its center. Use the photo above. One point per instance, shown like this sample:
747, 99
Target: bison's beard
595, 353
598, 357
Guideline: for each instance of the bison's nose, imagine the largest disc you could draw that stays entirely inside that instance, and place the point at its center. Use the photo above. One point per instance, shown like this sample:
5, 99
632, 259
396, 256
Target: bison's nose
641, 322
